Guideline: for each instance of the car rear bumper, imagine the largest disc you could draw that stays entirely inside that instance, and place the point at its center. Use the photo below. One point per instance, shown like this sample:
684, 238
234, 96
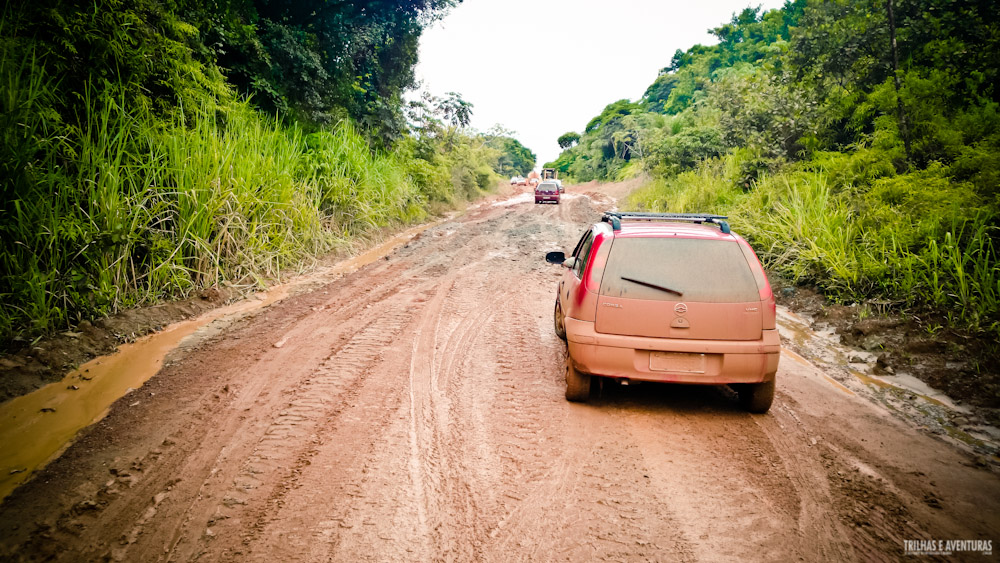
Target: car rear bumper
544, 198
672, 360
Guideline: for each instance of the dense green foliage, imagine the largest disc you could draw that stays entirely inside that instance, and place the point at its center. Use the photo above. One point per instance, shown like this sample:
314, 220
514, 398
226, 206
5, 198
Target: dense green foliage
567, 140
312, 61
150, 149
516, 159
870, 182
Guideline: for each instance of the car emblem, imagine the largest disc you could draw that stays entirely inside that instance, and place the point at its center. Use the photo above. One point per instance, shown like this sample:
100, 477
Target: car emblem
680, 308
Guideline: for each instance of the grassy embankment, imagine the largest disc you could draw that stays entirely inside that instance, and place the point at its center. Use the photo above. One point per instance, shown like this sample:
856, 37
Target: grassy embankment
121, 206
857, 230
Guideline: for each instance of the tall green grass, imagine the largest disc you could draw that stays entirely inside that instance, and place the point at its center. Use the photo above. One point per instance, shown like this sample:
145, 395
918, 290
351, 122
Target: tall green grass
358, 191
961, 270
915, 240
114, 204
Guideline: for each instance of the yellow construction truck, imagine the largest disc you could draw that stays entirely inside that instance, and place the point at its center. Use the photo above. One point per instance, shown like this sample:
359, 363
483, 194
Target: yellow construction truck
552, 175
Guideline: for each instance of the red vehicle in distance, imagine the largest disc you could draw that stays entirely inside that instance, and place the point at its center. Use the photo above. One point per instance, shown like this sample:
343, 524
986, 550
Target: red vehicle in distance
547, 191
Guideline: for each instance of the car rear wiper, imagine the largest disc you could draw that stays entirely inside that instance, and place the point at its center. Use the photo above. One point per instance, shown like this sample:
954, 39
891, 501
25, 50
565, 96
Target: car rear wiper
653, 285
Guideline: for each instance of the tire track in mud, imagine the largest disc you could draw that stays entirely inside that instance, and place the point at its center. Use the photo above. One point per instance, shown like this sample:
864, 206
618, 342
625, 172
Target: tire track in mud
428, 416
848, 500
449, 462
342, 532
531, 478
712, 464
291, 439
252, 404
188, 454
572, 490
866, 505
792, 443
447, 453
457, 455
872, 477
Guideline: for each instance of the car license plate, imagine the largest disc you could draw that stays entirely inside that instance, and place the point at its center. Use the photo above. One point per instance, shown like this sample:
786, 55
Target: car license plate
677, 361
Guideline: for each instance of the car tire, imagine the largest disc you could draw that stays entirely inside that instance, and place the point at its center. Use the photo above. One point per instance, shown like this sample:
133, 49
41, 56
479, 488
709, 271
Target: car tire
756, 397
577, 384
559, 321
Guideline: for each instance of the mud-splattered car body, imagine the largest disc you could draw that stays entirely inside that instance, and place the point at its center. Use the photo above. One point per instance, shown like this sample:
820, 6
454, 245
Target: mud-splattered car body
652, 297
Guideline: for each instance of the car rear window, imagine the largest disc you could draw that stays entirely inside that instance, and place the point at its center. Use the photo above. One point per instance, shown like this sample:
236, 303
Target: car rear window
683, 269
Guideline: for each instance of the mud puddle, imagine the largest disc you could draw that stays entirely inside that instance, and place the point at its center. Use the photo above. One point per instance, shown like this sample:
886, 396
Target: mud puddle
35, 428
854, 371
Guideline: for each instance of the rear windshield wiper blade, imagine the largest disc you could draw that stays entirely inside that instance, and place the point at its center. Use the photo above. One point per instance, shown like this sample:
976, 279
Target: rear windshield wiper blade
653, 285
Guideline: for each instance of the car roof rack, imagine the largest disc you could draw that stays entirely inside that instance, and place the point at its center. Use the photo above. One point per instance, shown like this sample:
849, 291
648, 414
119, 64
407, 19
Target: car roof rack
616, 218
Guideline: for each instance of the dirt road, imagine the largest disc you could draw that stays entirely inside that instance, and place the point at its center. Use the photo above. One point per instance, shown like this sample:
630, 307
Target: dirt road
414, 411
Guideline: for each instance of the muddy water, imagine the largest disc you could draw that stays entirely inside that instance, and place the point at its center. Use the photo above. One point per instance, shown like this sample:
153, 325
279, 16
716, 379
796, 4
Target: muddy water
798, 331
36, 427
902, 393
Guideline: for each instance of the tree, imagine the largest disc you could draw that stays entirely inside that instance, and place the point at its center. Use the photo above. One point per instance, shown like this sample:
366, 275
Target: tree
659, 92
900, 112
756, 109
686, 149
317, 60
567, 140
610, 113
423, 117
515, 159
455, 110
427, 116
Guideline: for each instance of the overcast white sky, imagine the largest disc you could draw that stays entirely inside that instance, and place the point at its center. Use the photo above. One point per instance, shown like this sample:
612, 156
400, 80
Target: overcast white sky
545, 67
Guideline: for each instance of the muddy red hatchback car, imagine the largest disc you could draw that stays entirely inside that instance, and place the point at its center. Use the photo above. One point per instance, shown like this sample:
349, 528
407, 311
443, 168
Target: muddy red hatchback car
547, 191
675, 298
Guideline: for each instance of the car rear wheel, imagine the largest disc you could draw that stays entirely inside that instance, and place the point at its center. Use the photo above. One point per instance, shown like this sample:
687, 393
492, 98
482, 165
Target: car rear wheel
559, 321
756, 397
577, 384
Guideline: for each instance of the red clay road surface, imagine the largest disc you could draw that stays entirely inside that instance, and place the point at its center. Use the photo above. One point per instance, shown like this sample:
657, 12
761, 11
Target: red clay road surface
414, 411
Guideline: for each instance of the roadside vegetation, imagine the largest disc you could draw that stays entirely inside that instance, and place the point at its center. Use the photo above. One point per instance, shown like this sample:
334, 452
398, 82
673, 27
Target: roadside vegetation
875, 180
149, 150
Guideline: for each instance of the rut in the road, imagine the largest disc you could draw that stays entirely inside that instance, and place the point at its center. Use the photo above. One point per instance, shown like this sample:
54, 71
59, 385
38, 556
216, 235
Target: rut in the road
292, 439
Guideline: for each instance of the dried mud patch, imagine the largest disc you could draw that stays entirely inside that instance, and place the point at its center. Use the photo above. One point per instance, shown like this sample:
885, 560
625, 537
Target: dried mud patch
964, 366
589, 209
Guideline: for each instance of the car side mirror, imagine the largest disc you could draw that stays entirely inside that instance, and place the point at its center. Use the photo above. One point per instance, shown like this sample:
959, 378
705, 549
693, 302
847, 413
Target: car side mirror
555, 257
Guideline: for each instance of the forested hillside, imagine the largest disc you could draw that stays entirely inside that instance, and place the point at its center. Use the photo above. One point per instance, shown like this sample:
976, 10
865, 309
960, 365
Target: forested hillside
856, 143
152, 148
